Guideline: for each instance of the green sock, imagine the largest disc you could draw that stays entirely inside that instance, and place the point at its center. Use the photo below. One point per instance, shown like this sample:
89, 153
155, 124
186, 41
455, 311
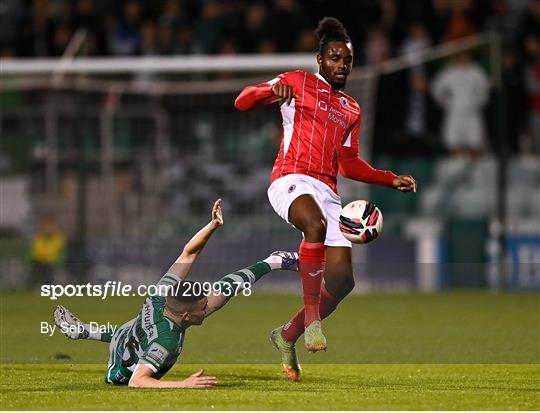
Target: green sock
236, 282
106, 337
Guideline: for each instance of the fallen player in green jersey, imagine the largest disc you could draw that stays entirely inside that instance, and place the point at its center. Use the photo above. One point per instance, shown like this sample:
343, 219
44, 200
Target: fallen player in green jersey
142, 350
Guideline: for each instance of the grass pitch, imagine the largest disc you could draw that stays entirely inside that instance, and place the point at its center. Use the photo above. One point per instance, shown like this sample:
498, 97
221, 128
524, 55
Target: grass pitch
261, 387
386, 352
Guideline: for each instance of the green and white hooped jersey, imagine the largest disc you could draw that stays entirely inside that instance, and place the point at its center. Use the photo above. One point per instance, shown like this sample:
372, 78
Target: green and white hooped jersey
150, 338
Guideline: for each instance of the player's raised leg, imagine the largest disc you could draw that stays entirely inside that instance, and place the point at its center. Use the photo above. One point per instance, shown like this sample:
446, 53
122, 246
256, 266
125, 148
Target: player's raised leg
338, 283
306, 215
234, 283
74, 328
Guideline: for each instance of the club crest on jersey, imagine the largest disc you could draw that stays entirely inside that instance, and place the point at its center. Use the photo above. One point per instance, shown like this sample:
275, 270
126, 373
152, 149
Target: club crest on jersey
291, 188
343, 102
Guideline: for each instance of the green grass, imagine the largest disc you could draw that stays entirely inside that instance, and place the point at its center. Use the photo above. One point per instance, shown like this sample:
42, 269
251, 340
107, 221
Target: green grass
454, 351
261, 387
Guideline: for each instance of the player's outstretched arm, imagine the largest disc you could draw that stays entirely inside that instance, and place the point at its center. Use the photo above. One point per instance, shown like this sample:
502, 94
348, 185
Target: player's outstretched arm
194, 247
359, 170
142, 377
351, 166
263, 94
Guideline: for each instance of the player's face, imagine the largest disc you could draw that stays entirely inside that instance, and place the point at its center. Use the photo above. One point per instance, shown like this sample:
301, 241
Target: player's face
196, 314
335, 63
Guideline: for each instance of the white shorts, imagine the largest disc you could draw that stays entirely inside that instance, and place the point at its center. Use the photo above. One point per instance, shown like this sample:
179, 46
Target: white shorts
286, 189
463, 131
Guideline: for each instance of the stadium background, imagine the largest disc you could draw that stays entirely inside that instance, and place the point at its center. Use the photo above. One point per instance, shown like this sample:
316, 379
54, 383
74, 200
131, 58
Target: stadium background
126, 163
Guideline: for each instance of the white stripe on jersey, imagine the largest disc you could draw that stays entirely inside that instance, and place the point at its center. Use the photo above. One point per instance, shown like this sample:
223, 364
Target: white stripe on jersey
299, 126
313, 123
333, 153
287, 113
323, 144
273, 81
348, 140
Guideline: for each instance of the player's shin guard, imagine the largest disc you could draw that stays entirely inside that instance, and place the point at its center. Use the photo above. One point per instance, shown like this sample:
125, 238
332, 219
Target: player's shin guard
312, 261
295, 328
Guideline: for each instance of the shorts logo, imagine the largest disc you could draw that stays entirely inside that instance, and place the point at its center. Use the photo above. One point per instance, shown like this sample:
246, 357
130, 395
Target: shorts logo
343, 102
292, 188
316, 273
120, 378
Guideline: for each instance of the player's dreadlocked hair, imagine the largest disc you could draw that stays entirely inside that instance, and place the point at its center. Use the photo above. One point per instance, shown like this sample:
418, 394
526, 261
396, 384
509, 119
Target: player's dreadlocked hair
330, 29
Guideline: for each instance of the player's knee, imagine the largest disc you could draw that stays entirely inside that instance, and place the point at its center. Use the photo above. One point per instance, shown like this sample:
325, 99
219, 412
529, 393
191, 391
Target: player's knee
344, 289
344, 285
315, 229
348, 285
339, 288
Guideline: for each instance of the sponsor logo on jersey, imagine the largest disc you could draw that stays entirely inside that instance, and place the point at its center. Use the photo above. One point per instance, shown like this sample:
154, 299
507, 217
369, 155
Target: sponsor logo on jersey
147, 320
157, 353
337, 117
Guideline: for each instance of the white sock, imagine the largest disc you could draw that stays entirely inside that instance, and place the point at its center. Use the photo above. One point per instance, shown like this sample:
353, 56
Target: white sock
92, 335
274, 261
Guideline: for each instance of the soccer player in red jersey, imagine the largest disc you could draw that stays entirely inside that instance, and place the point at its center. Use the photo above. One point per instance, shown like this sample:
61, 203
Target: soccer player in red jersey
321, 126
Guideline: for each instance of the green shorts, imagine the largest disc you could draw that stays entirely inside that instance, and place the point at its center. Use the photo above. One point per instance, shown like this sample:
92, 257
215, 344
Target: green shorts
117, 373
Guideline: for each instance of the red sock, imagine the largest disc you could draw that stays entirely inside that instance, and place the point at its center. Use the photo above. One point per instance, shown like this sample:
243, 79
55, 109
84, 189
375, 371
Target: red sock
295, 328
311, 265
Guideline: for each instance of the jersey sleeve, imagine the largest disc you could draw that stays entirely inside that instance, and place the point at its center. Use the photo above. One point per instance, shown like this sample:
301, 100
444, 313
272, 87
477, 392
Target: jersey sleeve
169, 279
352, 167
164, 287
157, 355
254, 96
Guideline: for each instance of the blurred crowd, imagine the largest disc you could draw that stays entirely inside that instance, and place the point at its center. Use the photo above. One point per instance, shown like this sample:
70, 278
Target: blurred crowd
411, 103
164, 27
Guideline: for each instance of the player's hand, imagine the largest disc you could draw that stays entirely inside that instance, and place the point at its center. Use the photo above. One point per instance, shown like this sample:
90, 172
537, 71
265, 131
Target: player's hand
217, 215
198, 381
404, 183
285, 93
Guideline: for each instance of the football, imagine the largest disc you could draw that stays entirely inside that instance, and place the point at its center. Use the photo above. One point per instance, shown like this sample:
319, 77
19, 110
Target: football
361, 221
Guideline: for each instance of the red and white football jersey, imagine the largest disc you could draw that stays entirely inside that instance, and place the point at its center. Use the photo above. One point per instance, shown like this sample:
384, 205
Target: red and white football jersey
320, 130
